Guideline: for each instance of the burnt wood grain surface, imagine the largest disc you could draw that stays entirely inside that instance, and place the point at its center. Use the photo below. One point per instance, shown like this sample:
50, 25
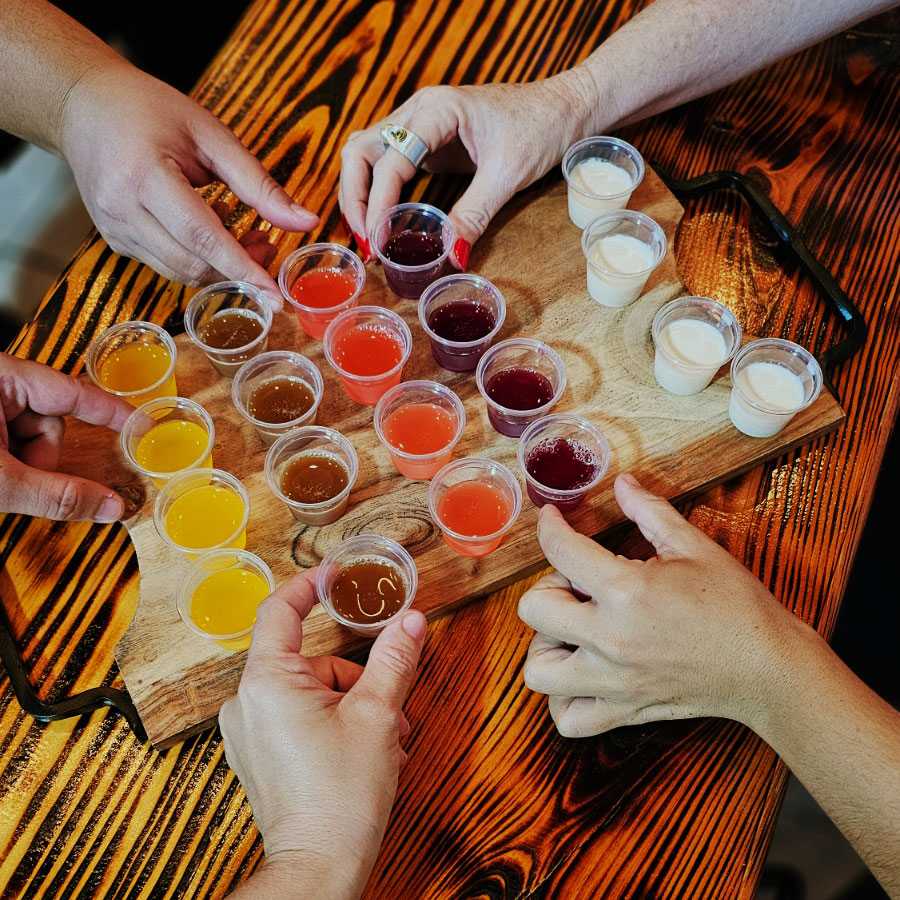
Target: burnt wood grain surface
507, 809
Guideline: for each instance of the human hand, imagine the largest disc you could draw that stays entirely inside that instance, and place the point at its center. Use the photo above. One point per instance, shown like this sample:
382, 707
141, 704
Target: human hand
138, 149
688, 633
315, 742
508, 134
33, 400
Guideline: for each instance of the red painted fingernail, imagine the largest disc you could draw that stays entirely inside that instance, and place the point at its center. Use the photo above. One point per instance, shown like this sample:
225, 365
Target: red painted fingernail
347, 229
364, 249
461, 250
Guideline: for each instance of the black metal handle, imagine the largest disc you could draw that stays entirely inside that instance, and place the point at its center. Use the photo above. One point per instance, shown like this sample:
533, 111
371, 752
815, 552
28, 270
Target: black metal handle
765, 210
85, 702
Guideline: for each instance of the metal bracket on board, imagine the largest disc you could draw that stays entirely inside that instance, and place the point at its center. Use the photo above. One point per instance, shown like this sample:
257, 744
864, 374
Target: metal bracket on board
81, 704
793, 242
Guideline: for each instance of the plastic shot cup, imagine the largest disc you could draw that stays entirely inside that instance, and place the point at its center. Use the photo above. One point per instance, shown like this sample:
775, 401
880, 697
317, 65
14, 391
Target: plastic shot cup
257, 372
694, 338
415, 414
313, 280
368, 615
474, 502
527, 368
134, 361
218, 596
168, 436
771, 381
230, 323
461, 303
368, 347
202, 510
305, 442
560, 448
621, 249
409, 232
601, 173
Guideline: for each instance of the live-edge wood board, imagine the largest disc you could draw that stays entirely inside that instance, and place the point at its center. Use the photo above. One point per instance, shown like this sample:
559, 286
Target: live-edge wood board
676, 445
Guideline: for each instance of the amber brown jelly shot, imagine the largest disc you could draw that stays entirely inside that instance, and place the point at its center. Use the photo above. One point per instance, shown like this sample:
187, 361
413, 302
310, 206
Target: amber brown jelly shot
314, 477
368, 591
231, 329
280, 399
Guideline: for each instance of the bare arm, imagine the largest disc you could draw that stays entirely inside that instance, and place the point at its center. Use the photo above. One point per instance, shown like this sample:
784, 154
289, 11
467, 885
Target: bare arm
692, 633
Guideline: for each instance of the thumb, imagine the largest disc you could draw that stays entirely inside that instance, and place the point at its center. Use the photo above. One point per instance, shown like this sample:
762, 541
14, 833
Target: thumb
473, 211
669, 532
53, 495
393, 660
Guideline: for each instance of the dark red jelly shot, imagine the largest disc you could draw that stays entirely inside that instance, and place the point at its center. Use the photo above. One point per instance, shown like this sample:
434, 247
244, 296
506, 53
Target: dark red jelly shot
560, 464
461, 322
412, 248
517, 388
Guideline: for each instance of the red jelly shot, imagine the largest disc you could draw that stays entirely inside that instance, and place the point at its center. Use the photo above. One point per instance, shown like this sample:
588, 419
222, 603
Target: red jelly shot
420, 422
461, 314
474, 502
563, 457
368, 347
319, 282
520, 379
413, 241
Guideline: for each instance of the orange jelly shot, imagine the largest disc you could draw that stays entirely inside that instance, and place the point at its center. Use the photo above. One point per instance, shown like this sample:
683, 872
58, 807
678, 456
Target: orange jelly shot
321, 289
473, 509
420, 430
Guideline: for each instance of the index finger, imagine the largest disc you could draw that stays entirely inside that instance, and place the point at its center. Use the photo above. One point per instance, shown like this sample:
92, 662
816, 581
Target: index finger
45, 391
278, 632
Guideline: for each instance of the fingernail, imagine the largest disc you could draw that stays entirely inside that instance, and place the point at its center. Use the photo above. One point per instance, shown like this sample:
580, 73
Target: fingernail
461, 250
110, 510
274, 300
628, 478
414, 625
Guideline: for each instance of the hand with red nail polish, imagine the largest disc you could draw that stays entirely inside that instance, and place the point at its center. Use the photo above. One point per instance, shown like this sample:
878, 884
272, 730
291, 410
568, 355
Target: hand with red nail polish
34, 399
315, 742
487, 130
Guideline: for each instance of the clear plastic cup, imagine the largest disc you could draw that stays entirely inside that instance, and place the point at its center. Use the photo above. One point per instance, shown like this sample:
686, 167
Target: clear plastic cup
565, 427
367, 389
359, 549
325, 261
216, 301
519, 353
134, 354
199, 516
166, 412
612, 167
461, 356
265, 367
312, 440
694, 338
771, 381
621, 249
493, 482
398, 401
408, 281
226, 568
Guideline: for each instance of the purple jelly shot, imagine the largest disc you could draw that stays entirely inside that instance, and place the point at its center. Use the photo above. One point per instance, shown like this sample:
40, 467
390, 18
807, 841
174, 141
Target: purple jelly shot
413, 242
519, 379
461, 314
562, 457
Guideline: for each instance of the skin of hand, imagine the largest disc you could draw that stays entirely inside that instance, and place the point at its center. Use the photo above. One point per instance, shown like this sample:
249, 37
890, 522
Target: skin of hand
478, 128
138, 149
688, 633
315, 743
33, 400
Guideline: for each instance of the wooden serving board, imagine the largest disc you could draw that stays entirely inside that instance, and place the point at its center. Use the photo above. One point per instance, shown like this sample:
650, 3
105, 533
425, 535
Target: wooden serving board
676, 445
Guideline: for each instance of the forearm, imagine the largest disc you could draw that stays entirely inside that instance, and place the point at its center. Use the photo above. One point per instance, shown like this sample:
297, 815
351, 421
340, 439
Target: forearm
43, 55
842, 742
677, 50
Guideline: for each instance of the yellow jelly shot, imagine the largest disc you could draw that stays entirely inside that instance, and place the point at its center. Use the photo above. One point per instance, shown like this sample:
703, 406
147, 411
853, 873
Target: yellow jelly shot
173, 446
134, 367
207, 517
225, 603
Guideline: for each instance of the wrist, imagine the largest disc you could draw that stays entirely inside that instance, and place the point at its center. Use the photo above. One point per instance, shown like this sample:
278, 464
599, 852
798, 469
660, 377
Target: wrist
302, 874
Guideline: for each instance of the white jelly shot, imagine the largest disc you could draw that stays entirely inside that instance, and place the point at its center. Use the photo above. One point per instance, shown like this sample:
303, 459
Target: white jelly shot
622, 249
601, 174
694, 337
771, 381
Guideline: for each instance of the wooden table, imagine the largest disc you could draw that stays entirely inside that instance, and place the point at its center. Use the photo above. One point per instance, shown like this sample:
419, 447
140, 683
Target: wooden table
506, 809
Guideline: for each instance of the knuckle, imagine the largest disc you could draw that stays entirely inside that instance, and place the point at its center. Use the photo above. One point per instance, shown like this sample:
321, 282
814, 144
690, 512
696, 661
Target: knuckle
66, 504
399, 662
475, 221
203, 241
